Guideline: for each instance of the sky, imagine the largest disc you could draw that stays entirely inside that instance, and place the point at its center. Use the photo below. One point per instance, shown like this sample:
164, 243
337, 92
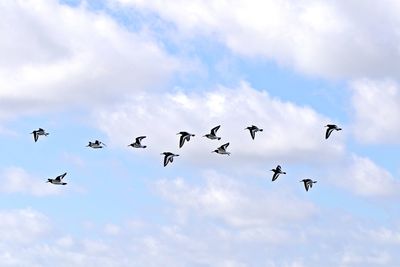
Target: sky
113, 70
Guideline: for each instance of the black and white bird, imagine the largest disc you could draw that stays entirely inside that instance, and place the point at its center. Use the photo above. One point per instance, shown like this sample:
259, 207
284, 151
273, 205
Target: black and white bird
38, 133
277, 171
185, 136
330, 129
57, 180
168, 157
213, 134
253, 129
222, 150
96, 144
308, 183
137, 143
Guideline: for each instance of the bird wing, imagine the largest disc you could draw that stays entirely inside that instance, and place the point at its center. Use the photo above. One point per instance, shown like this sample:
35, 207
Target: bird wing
166, 159
182, 140
278, 168
275, 176
306, 185
252, 133
215, 129
225, 146
140, 138
35, 136
60, 177
328, 132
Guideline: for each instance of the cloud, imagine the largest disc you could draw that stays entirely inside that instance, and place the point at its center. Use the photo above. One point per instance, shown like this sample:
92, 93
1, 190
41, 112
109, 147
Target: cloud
329, 39
54, 56
17, 180
291, 133
375, 104
232, 201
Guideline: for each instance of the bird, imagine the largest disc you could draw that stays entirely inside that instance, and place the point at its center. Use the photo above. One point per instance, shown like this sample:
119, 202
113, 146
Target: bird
277, 171
213, 134
330, 129
222, 150
37, 133
137, 143
168, 157
57, 180
185, 136
96, 144
308, 183
253, 129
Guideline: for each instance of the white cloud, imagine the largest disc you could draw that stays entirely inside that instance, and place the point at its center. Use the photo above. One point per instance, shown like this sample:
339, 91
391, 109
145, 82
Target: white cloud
291, 133
330, 38
17, 180
54, 55
233, 202
376, 105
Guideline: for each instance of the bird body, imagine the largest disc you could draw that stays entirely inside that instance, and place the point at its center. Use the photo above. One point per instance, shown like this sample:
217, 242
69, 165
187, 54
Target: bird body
38, 133
185, 136
96, 144
168, 157
308, 183
253, 129
222, 150
213, 134
330, 128
277, 171
57, 180
137, 143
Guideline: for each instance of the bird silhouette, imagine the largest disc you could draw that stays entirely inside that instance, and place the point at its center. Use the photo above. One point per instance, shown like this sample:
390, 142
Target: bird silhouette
253, 129
185, 136
168, 157
222, 150
330, 128
137, 143
38, 133
308, 183
57, 180
277, 171
213, 134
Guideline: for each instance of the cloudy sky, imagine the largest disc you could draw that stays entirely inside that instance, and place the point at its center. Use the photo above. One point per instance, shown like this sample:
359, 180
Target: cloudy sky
116, 69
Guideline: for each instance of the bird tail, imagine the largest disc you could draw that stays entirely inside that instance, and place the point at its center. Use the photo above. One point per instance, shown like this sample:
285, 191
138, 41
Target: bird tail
261, 130
144, 146
219, 138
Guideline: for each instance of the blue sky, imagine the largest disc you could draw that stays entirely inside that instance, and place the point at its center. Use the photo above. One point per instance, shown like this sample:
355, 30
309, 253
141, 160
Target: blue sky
113, 70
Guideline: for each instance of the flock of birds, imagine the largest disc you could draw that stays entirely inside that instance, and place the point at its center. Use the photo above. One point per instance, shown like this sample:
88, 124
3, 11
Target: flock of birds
185, 137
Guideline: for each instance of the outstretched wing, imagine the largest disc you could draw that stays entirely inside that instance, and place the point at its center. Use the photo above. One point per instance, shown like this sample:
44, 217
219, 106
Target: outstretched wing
278, 168
60, 177
166, 159
225, 146
215, 129
328, 132
35, 136
306, 185
252, 133
182, 140
275, 176
140, 138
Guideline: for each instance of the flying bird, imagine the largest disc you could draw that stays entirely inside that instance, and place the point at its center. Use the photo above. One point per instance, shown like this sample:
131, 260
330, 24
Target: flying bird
185, 136
277, 171
57, 180
308, 183
253, 129
168, 157
38, 133
213, 134
222, 150
137, 143
96, 144
330, 129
